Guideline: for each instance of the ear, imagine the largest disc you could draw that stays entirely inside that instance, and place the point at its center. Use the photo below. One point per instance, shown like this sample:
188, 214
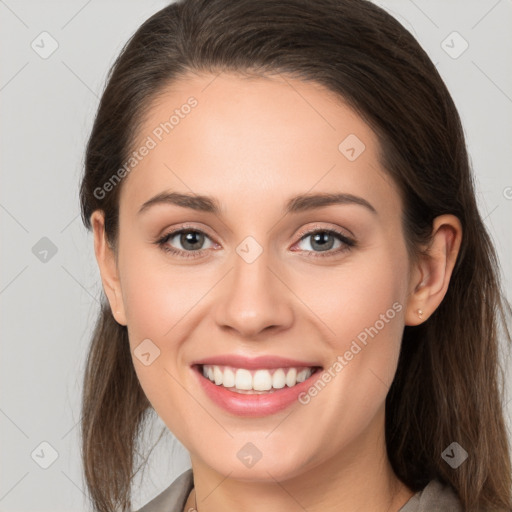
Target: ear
431, 275
106, 258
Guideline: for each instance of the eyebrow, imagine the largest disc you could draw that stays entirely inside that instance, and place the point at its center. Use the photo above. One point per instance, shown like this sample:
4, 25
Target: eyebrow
296, 204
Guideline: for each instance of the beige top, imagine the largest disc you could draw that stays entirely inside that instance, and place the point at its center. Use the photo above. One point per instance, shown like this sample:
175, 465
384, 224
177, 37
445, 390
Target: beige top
435, 496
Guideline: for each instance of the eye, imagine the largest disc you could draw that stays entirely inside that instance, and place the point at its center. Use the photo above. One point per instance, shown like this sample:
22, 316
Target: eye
191, 240
323, 240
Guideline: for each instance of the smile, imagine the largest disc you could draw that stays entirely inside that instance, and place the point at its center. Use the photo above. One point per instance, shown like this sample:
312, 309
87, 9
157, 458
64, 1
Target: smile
255, 392
241, 380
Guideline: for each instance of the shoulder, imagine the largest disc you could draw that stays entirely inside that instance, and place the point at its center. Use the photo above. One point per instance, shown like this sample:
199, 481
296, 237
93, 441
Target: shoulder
435, 496
174, 497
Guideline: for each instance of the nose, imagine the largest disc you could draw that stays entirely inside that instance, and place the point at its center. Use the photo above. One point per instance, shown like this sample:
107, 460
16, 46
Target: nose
254, 299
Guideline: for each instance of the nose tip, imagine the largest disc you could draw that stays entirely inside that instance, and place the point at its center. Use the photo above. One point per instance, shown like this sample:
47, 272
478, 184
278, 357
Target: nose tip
254, 300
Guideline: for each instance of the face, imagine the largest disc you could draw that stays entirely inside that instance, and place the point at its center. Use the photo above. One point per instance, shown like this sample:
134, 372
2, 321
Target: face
296, 283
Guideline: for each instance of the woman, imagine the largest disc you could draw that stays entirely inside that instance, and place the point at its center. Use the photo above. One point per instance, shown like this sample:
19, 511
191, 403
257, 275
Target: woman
298, 280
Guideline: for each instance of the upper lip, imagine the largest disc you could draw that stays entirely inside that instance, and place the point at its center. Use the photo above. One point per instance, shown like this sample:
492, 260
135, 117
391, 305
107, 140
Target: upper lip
238, 361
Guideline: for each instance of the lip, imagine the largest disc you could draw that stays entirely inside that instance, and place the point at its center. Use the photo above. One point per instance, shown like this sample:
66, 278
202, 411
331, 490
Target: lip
254, 363
257, 405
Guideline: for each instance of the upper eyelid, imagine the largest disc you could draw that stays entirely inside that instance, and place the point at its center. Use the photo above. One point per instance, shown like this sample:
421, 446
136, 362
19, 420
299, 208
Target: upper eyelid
316, 227
301, 234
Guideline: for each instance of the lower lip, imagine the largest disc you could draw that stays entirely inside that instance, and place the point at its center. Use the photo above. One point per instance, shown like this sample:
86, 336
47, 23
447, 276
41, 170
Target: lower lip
250, 405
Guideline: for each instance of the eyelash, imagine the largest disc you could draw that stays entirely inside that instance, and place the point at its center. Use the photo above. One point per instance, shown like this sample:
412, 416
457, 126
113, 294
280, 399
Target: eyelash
349, 243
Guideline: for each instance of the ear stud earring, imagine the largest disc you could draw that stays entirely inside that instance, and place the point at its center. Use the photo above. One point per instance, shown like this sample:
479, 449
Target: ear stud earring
420, 314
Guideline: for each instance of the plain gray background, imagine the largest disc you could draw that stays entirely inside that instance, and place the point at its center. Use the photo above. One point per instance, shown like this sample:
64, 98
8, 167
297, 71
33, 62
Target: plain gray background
49, 300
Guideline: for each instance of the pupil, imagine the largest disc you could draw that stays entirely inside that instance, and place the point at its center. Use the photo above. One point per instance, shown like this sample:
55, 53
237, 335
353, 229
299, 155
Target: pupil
191, 238
320, 238
187, 239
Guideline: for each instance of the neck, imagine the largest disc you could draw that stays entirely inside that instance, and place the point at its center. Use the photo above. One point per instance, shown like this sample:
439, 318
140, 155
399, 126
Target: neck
358, 479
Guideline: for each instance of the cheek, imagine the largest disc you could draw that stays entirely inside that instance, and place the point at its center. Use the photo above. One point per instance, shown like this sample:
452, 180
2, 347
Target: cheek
358, 295
157, 298
363, 305
156, 295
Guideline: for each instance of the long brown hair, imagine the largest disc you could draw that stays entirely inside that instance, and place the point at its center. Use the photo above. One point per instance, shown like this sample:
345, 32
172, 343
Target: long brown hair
449, 382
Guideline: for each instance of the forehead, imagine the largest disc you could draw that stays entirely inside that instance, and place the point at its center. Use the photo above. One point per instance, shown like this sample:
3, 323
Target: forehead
258, 140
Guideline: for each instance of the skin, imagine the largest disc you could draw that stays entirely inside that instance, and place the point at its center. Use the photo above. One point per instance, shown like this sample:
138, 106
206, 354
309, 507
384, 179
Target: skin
252, 143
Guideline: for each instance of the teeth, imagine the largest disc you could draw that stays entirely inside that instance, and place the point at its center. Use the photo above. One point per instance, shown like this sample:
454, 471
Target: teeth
279, 379
217, 375
228, 378
291, 377
262, 381
243, 380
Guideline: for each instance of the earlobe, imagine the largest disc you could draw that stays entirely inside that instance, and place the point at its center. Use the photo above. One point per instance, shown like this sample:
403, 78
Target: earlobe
105, 257
432, 275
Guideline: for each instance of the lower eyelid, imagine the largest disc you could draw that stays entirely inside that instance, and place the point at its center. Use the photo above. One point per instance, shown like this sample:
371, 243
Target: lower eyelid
346, 242
169, 236
333, 234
